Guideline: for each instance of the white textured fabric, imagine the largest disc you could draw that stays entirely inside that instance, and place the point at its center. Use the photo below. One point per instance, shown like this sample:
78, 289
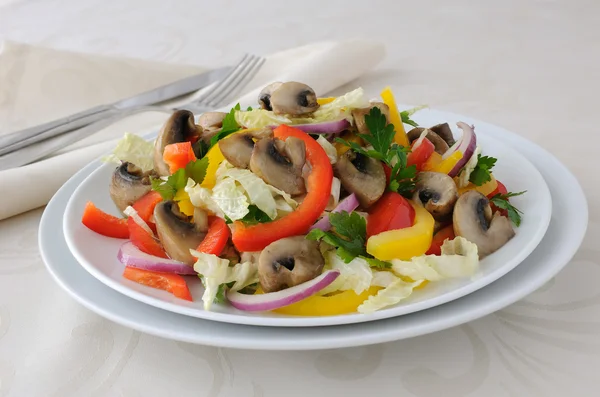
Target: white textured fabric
531, 66
41, 84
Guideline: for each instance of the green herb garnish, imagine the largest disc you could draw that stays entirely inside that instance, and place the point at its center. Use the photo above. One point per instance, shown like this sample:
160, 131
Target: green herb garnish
501, 201
196, 170
481, 173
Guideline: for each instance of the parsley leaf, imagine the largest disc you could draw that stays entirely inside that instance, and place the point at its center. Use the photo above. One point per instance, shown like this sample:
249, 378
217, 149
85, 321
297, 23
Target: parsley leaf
382, 134
178, 180
255, 215
349, 235
249, 109
197, 170
384, 149
501, 201
481, 172
229, 126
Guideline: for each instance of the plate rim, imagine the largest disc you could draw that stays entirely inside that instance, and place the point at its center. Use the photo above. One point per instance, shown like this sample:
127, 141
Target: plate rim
462, 310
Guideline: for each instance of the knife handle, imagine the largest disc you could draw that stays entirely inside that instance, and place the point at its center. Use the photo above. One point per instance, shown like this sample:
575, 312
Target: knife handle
22, 138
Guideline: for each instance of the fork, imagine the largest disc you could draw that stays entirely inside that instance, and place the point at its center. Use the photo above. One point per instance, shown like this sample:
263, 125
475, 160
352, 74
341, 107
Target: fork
218, 95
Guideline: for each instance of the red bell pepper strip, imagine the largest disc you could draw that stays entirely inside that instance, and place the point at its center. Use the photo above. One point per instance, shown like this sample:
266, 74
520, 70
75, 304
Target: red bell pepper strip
318, 184
145, 207
215, 240
144, 240
390, 212
442, 235
102, 223
420, 154
169, 282
178, 155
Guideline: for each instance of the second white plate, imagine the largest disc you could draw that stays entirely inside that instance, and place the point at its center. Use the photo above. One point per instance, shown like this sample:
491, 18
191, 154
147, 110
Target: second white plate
97, 254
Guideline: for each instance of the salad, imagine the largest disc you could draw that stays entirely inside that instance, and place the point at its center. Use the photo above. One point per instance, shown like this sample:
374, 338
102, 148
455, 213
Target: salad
304, 205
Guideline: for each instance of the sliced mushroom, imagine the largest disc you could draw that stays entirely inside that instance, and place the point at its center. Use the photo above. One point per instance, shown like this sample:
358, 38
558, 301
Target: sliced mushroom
361, 175
128, 184
437, 192
211, 123
237, 148
359, 116
288, 262
474, 221
440, 145
444, 131
178, 128
280, 163
291, 98
176, 233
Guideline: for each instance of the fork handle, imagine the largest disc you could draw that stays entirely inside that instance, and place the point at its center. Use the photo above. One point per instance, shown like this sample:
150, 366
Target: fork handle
31, 153
34, 134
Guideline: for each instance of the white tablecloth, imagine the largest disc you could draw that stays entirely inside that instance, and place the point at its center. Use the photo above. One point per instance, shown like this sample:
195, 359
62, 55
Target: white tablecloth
531, 66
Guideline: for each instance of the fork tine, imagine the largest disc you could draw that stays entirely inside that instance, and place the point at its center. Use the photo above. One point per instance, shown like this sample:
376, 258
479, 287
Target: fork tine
209, 96
238, 84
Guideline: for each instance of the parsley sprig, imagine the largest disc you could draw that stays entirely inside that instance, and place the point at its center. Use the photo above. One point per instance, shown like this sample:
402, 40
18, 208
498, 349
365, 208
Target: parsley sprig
384, 149
349, 236
501, 201
230, 126
481, 173
196, 170
405, 115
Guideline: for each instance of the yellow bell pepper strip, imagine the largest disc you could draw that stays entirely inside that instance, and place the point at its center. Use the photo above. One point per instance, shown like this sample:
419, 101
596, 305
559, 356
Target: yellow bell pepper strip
318, 184
446, 165
328, 305
432, 162
184, 203
324, 101
388, 98
486, 189
404, 243
215, 157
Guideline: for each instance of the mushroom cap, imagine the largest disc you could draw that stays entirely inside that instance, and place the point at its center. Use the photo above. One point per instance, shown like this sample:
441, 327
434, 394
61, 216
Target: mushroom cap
237, 148
178, 128
279, 163
211, 120
361, 175
474, 221
444, 132
437, 192
291, 98
128, 184
440, 145
176, 233
288, 262
359, 116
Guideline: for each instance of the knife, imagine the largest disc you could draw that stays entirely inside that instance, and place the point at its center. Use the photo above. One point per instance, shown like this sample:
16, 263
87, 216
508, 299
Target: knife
19, 139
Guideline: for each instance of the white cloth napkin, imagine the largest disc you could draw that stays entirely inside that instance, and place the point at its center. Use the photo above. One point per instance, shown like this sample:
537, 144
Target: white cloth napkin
41, 84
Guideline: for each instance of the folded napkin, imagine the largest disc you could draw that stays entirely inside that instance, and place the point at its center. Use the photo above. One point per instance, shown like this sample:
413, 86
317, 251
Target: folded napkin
41, 84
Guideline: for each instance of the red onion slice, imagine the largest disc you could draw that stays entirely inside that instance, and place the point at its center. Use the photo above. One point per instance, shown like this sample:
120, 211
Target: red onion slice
348, 204
275, 300
130, 255
326, 127
466, 145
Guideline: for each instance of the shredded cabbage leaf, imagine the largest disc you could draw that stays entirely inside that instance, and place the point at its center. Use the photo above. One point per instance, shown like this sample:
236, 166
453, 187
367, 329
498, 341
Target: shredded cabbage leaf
259, 118
465, 174
396, 291
133, 149
201, 197
257, 190
231, 199
216, 271
329, 148
459, 259
356, 275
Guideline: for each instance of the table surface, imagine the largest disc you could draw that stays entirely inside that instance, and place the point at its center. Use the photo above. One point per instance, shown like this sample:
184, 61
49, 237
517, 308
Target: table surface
531, 66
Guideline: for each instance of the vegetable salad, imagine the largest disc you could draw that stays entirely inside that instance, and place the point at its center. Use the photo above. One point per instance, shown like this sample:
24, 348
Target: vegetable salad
304, 205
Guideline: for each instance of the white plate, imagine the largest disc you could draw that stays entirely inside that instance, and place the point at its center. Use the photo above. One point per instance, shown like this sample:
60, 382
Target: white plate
563, 238
98, 254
